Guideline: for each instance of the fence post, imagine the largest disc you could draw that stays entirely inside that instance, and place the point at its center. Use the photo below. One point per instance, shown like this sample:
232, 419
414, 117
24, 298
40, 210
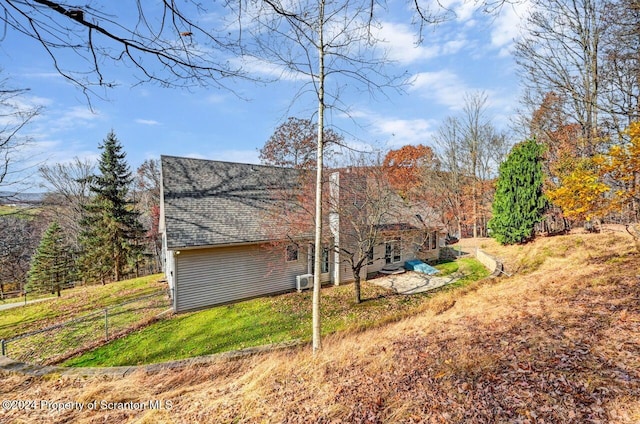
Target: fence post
106, 324
4, 347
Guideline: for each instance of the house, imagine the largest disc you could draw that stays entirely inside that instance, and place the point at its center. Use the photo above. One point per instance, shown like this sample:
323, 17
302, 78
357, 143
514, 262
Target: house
220, 235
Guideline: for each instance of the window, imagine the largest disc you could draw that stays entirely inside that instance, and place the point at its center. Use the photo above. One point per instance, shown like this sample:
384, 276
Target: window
392, 253
434, 240
324, 266
292, 253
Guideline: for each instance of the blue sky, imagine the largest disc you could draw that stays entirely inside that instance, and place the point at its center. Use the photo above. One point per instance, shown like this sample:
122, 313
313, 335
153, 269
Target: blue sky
468, 54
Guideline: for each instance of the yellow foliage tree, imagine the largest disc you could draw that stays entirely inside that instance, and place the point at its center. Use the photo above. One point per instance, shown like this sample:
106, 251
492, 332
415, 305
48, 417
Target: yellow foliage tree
621, 167
603, 183
581, 193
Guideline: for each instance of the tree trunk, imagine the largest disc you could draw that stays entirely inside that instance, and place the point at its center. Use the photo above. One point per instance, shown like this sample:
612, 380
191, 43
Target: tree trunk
356, 286
475, 210
316, 325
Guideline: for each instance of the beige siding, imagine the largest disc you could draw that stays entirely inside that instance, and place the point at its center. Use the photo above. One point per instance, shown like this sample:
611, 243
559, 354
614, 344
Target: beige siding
207, 277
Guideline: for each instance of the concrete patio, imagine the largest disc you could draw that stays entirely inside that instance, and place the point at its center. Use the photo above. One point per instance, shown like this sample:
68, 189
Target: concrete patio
412, 282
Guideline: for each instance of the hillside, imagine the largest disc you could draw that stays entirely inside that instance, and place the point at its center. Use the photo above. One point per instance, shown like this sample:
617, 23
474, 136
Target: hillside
559, 341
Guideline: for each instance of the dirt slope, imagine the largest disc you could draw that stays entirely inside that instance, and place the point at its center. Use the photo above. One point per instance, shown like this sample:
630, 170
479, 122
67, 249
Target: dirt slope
557, 342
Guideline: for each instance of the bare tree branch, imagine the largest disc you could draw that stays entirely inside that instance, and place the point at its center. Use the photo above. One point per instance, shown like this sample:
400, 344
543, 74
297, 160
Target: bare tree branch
167, 43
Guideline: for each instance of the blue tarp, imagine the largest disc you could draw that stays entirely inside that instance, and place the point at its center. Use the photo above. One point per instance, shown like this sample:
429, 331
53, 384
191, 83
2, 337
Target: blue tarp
419, 266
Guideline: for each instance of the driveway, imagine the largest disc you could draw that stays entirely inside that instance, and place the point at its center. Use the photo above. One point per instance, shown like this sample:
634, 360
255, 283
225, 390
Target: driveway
412, 282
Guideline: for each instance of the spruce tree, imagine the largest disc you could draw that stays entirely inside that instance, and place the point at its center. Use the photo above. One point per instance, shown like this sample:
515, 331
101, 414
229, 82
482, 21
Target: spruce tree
111, 229
51, 265
519, 202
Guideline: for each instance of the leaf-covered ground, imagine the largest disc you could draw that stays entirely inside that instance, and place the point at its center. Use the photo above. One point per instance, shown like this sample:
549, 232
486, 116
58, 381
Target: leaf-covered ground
556, 343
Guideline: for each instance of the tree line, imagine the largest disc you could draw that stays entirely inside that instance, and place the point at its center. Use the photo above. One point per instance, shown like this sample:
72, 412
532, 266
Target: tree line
93, 225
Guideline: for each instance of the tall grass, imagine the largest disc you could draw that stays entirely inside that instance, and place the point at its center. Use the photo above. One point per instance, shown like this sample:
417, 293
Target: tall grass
546, 345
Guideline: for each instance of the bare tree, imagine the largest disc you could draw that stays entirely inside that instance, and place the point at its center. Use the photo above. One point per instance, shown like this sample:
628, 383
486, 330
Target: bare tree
364, 212
329, 46
67, 185
14, 117
19, 237
146, 192
369, 213
560, 52
470, 150
448, 181
621, 67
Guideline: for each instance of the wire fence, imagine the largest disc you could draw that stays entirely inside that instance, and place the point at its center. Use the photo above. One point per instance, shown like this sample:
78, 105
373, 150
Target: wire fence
58, 342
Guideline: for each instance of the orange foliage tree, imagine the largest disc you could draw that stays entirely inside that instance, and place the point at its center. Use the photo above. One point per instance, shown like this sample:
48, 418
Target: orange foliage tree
551, 127
293, 144
404, 167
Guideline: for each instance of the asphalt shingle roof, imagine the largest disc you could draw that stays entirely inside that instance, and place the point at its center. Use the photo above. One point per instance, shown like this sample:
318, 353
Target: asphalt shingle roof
209, 203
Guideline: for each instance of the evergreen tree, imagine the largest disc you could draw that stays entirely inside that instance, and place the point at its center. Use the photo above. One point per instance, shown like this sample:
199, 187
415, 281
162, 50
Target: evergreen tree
51, 265
519, 202
111, 229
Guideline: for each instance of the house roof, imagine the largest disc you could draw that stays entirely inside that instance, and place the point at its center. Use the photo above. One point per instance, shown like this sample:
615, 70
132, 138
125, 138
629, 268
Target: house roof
209, 203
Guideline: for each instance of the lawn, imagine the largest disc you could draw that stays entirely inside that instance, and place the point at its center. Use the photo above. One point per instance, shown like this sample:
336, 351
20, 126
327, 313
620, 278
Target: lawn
73, 303
270, 320
83, 318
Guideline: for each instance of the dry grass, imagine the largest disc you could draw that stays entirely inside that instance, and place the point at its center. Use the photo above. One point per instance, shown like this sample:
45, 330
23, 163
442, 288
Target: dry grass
557, 342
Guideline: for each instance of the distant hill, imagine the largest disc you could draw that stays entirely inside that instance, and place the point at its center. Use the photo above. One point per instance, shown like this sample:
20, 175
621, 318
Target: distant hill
8, 197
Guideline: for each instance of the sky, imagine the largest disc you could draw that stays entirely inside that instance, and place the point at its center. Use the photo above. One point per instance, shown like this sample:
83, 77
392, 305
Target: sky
468, 54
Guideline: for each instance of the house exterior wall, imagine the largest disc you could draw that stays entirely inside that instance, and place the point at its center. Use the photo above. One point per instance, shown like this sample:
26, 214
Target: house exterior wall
209, 277
409, 250
193, 204
431, 250
409, 244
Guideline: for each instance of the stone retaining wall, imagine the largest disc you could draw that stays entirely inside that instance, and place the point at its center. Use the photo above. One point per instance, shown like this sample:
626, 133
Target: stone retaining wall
491, 263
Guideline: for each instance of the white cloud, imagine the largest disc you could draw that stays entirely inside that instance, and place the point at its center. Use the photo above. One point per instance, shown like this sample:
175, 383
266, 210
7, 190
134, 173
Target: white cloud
506, 26
215, 98
268, 70
445, 87
43, 75
454, 46
404, 131
74, 118
147, 122
463, 10
400, 42
392, 131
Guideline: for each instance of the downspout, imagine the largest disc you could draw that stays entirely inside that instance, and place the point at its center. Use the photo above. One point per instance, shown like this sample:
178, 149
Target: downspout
334, 224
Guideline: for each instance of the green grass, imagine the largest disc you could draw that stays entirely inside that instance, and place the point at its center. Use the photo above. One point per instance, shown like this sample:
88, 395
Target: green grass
267, 320
471, 270
73, 303
446, 267
20, 211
